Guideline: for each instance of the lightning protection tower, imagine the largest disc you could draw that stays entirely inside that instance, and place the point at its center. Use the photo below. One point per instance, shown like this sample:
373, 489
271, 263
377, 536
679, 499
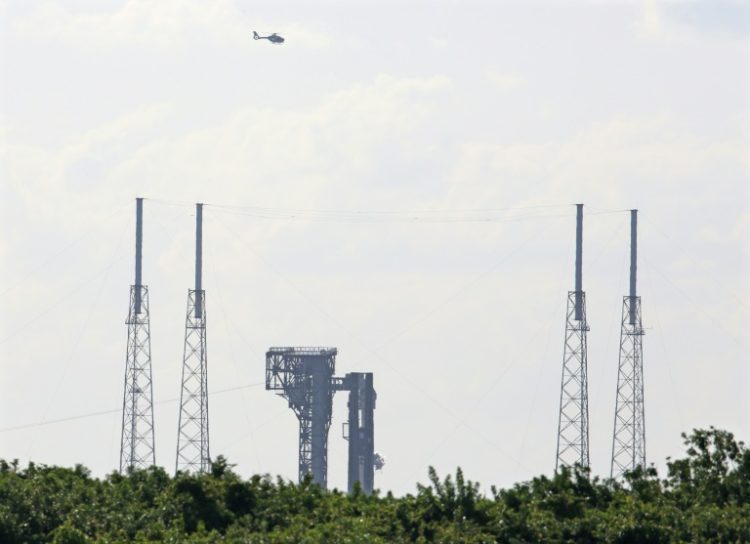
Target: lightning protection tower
304, 376
629, 437
573, 423
137, 438
192, 435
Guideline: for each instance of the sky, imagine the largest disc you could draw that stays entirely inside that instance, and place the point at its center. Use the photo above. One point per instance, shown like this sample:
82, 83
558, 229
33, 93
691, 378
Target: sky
396, 180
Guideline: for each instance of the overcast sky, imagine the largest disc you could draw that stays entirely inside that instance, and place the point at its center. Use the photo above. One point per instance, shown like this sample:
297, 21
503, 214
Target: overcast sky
516, 109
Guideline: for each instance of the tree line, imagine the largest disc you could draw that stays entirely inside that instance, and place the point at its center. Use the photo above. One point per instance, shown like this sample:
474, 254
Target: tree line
704, 497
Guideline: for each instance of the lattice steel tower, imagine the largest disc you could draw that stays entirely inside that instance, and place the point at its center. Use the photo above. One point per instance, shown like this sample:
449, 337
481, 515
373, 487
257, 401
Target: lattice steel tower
629, 437
573, 423
305, 378
137, 439
192, 435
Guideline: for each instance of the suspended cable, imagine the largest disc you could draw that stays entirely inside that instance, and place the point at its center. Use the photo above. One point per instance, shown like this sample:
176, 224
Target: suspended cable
68, 292
700, 312
437, 215
373, 353
81, 333
116, 410
93, 228
459, 290
704, 273
476, 215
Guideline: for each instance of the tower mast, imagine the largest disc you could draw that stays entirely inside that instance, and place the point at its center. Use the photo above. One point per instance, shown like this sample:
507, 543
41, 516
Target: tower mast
137, 437
192, 434
573, 422
629, 436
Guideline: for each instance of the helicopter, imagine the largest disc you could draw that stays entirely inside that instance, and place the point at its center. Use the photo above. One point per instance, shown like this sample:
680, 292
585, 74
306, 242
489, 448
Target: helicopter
273, 38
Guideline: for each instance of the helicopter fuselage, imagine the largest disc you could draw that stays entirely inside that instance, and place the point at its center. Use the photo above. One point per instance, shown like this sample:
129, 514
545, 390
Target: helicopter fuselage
273, 38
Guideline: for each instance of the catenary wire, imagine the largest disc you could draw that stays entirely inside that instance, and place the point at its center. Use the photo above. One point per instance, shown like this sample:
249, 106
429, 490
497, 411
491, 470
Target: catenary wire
115, 410
373, 353
419, 216
31, 268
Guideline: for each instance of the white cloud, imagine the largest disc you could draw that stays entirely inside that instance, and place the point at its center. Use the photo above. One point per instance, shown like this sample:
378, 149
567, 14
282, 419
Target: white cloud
679, 21
651, 22
505, 82
165, 24
254, 155
607, 162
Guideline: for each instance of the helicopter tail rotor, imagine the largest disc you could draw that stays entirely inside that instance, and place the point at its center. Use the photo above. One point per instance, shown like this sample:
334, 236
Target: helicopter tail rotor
255, 35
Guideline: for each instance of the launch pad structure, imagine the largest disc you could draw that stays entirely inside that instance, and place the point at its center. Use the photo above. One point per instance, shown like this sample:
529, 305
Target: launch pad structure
305, 377
359, 430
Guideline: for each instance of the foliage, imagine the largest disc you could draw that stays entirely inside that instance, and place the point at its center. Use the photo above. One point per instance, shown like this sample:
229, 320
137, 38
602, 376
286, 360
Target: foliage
705, 497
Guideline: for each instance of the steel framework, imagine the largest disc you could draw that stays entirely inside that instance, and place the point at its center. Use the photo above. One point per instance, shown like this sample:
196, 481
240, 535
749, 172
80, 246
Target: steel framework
305, 378
137, 437
573, 422
629, 436
192, 440
360, 430
193, 453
